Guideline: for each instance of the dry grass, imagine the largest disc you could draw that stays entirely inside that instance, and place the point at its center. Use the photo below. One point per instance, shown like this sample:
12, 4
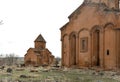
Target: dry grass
53, 75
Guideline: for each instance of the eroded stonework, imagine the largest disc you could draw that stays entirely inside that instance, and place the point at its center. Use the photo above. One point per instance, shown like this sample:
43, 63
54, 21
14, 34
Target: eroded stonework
91, 38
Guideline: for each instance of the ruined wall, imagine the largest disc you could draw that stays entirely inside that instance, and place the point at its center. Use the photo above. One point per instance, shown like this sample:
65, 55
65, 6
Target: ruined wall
86, 24
65, 50
31, 59
118, 47
40, 45
110, 3
84, 55
110, 47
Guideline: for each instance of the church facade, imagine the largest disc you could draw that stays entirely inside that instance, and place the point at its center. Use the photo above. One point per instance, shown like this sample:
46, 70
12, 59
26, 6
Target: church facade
39, 55
91, 38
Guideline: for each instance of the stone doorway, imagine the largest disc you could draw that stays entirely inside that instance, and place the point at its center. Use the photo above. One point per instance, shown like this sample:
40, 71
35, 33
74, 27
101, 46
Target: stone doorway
96, 47
73, 50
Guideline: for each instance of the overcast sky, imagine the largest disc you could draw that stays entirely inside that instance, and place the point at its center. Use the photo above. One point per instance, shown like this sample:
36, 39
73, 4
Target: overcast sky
24, 20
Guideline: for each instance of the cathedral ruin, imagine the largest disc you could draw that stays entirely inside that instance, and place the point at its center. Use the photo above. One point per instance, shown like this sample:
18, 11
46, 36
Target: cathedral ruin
91, 38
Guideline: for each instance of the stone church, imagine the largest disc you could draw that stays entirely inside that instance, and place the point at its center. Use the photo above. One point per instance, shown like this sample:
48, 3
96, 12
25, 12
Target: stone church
39, 55
91, 38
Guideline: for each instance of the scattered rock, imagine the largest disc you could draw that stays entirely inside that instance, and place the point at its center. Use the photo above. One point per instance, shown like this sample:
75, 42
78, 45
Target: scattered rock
93, 73
45, 70
101, 73
33, 70
9, 70
23, 76
44, 65
22, 65
53, 68
20, 69
2, 67
18, 81
65, 69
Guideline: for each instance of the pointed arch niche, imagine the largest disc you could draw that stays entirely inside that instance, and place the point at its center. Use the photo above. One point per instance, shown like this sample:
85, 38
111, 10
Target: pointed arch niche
109, 46
73, 39
65, 49
84, 47
96, 46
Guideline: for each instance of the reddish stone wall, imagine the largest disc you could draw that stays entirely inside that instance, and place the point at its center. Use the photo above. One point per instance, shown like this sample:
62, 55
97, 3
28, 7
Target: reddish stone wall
101, 30
109, 3
110, 47
40, 45
31, 59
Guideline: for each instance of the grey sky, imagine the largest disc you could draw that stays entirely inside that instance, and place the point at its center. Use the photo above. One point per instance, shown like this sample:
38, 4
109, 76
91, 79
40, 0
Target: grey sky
24, 20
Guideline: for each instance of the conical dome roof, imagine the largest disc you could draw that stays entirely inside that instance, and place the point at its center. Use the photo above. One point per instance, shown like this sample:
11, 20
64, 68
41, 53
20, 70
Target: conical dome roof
40, 39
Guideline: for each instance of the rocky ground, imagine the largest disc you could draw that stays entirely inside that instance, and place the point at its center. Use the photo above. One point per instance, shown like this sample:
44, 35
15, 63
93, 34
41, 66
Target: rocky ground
52, 74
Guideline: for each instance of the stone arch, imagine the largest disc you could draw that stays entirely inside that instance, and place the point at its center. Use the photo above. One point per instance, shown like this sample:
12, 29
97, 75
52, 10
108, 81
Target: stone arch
109, 46
84, 47
83, 34
96, 27
118, 47
96, 40
64, 36
110, 25
64, 49
73, 39
82, 30
72, 33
